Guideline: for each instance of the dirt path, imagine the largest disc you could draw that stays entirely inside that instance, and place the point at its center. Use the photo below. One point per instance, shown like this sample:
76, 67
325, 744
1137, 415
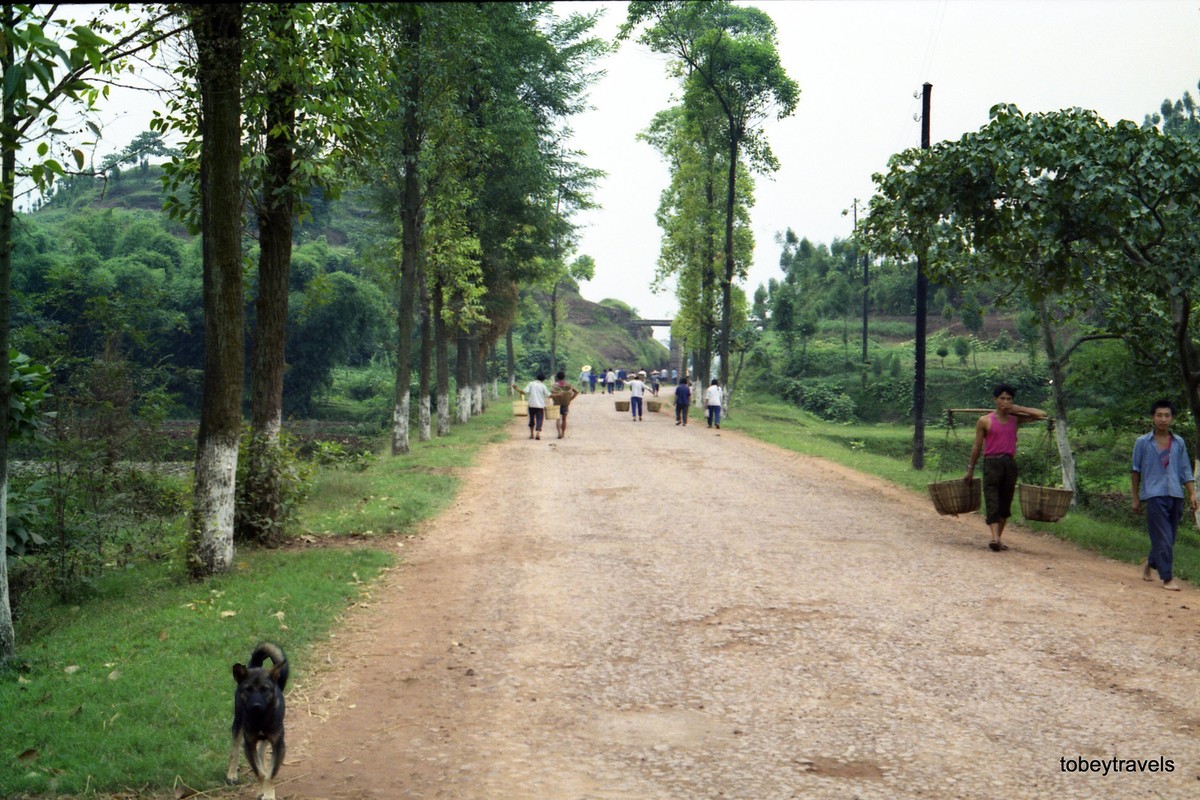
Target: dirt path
646, 611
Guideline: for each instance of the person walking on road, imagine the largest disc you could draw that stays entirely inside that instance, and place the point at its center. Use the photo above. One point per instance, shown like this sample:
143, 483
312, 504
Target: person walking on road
712, 401
562, 393
536, 395
610, 379
637, 391
1161, 468
683, 399
996, 441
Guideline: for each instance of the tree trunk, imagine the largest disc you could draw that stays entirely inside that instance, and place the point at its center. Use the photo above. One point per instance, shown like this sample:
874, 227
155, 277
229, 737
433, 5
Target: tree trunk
1189, 363
727, 278
262, 492
494, 378
462, 377
479, 373
217, 29
512, 359
1057, 389
8, 165
442, 359
424, 422
410, 215
554, 329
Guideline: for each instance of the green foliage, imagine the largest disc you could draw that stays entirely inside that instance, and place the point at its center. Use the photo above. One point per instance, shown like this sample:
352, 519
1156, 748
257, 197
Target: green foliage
826, 399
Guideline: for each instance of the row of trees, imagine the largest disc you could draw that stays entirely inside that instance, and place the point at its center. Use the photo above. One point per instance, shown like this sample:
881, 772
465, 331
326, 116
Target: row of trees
731, 81
453, 115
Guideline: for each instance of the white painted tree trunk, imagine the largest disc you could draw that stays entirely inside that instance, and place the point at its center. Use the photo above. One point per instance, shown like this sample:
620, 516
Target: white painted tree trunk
443, 415
477, 399
400, 426
464, 405
8, 634
213, 504
424, 432
1065, 457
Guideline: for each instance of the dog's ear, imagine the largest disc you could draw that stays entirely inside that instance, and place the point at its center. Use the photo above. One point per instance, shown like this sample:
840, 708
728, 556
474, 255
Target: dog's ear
240, 672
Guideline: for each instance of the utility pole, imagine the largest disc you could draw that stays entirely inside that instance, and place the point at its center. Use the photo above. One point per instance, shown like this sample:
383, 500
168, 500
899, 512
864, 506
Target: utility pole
918, 455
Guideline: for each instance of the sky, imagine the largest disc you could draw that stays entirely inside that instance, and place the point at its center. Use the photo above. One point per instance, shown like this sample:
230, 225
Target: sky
858, 64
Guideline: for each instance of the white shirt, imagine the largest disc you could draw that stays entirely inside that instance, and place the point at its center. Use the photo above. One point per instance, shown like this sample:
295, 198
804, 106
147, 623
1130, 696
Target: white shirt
712, 397
612, 376
536, 394
636, 388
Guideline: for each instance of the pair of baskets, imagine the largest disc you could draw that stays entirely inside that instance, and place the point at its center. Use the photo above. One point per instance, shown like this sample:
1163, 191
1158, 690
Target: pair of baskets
1038, 503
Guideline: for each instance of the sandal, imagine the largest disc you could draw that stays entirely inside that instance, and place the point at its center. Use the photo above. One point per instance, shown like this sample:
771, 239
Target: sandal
995, 546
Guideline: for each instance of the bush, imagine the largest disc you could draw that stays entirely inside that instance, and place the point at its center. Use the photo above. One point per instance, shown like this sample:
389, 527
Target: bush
826, 399
261, 514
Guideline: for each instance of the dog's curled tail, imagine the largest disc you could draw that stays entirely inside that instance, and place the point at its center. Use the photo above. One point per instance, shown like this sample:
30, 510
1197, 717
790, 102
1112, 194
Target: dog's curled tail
279, 662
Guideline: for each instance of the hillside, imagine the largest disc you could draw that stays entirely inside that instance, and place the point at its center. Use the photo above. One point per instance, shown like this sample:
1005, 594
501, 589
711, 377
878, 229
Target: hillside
603, 334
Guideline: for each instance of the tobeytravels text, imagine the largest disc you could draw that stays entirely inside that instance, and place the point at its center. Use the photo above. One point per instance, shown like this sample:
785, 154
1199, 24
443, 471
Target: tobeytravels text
1115, 764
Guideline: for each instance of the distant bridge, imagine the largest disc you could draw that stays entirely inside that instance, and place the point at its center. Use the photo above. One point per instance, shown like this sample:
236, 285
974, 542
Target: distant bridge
653, 323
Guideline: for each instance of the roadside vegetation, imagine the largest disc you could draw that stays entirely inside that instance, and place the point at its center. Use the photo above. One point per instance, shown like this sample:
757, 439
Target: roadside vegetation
123, 688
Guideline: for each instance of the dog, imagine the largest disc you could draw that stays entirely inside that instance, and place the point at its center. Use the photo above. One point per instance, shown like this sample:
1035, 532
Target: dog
258, 716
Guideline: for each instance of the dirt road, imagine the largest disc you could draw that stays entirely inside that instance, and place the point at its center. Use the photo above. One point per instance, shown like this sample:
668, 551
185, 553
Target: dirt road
647, 611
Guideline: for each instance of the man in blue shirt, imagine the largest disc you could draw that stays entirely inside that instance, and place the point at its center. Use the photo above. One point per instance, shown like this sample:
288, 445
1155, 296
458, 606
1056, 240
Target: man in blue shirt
683, 398
1161, 469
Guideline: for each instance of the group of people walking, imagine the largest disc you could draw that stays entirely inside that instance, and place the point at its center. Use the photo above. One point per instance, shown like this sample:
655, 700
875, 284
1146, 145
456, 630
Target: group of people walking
1161, 472
538, 396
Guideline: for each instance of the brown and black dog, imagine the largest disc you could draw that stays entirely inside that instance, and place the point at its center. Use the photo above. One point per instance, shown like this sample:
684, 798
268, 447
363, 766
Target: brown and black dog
258, 716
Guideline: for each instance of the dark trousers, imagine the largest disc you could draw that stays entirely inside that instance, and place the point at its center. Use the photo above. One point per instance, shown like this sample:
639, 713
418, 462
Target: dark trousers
999, 486
681, 410
1162, 521
536, 415
714, 416
635, 406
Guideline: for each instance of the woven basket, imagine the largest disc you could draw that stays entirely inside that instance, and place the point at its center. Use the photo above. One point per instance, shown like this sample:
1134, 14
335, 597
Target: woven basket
551, 412
956, 496
654, 405
1044, 503
622, 405
520, 408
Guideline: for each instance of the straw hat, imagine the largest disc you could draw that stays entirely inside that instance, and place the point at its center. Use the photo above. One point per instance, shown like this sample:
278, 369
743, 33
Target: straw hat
587, 367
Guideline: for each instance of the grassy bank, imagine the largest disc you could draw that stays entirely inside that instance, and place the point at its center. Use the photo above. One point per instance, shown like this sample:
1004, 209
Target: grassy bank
885, 451
129, 693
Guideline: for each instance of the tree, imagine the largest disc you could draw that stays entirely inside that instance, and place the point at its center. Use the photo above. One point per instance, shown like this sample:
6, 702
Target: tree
1058, 205
730, 52
45, 60
582, 268
217, 31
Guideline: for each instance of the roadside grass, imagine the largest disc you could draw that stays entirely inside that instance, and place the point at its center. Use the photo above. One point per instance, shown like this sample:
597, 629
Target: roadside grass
884, 450
130, 693
133, 690
394, 493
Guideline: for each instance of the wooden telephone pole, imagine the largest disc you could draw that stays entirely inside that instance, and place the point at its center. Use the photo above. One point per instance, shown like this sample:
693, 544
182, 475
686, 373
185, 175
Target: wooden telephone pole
918, 455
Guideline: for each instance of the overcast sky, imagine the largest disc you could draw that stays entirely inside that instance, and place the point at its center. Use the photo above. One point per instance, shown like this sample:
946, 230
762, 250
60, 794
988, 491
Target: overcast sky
858, 64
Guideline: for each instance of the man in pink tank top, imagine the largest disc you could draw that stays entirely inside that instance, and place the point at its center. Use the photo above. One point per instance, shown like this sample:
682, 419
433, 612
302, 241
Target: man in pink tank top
996, 441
